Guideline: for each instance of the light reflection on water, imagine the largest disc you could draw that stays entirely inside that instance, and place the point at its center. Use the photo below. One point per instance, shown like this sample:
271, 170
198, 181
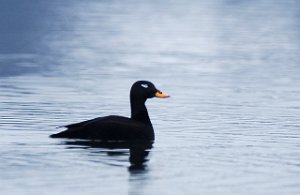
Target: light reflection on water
231, 67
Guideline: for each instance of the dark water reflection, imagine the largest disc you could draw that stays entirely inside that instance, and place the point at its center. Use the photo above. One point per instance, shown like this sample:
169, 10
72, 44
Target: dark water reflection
231, 68
138, 151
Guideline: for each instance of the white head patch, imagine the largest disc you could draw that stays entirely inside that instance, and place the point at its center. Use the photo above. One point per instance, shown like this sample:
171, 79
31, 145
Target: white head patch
145, 85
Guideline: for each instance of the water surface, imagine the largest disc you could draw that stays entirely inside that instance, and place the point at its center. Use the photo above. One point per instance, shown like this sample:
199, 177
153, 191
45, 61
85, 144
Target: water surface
231, 67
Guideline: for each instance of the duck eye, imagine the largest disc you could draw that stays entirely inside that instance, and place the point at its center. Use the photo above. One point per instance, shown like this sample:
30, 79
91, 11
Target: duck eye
145, 85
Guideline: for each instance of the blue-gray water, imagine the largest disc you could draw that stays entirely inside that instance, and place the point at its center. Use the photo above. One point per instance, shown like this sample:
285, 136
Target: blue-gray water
232, 69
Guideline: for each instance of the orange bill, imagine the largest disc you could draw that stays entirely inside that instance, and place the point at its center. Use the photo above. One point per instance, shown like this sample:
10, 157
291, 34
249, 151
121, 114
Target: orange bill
161, 95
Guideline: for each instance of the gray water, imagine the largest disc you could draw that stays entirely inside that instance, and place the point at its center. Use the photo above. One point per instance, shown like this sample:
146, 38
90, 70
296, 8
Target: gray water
232, 69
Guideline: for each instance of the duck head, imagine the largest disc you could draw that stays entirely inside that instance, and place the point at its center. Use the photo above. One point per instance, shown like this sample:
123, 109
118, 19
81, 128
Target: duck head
143, 90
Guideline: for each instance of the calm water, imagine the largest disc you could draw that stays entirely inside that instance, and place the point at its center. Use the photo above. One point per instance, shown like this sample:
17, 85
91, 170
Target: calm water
231, 67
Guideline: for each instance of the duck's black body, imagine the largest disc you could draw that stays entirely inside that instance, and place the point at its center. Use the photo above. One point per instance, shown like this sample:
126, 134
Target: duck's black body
108, 128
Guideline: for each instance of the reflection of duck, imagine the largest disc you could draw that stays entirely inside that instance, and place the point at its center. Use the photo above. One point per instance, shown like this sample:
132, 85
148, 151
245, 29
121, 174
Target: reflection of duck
138, 150
138, 127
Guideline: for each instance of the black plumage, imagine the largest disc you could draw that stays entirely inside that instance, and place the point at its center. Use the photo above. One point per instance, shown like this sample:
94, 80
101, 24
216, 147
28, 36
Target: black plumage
137, 127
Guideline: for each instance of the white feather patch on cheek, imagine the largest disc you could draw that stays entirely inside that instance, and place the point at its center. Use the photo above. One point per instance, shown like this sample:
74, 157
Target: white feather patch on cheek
144, 85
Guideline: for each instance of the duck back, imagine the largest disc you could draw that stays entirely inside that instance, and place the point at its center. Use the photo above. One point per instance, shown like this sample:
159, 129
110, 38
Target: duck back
108, 128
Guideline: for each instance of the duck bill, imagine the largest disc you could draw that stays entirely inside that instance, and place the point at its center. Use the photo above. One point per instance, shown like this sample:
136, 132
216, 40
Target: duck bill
161, 95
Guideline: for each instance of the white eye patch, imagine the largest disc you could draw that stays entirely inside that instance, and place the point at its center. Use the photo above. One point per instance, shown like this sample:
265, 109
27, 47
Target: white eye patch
145, 85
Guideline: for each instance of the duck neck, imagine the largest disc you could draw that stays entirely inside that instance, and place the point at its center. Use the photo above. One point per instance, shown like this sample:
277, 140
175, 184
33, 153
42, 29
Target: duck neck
139, 111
